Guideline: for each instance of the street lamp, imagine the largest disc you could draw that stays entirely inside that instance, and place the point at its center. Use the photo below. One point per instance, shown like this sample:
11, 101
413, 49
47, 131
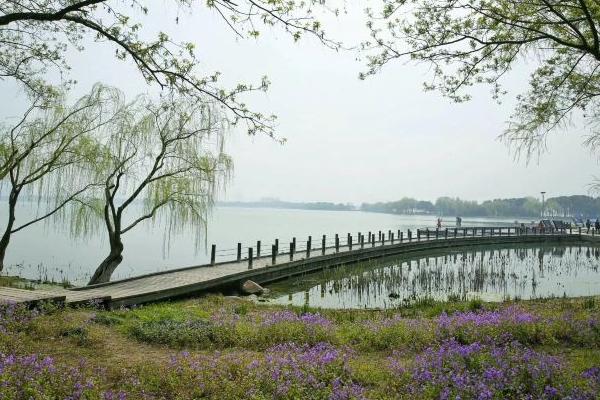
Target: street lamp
543, 200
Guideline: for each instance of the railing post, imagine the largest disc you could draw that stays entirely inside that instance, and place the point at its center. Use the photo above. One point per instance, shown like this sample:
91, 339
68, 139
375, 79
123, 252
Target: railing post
258, 249
337, 243
437, 233
294, 241
239, 252
308, 246
323, 244
250, 257
379, 237
362, 241
409, 233
291, 251
579, 231
213, 254
276, 246
464, 232
418, 235
570, 230
369, 238
455, 232
427, 233
382, 238
392, 237
273, 254
373, 240
401, 236
446, 233
349, 242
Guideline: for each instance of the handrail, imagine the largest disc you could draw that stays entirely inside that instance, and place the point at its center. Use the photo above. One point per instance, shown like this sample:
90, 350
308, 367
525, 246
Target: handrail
317, 246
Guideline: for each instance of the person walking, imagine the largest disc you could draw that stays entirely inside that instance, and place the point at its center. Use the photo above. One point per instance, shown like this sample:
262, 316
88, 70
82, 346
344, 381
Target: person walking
588, 224
597, 224
439, 223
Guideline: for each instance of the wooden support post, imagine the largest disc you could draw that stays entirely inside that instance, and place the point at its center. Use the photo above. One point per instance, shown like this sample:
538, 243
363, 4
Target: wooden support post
464, 232
257, 248
250, 257
579, 231
239, 252
400, 236
273, 254
570, 230
392, 237
369, 238
308, 246
213, 254
362, 241
446, 233
373, 240
455, 232
389, 235
437, 233
409, 233
382, 238
418, 235
337, 243
323, 244
294, 241
276, 246
349, 242
427, 233
291, 251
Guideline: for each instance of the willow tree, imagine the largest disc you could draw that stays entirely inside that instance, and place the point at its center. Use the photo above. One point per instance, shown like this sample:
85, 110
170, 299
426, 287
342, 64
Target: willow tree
36, 35
159, 162
469, 42
45, 155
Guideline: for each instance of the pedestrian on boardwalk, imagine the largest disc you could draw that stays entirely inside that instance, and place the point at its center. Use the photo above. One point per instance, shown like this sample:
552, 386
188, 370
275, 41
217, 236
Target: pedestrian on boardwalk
439, 223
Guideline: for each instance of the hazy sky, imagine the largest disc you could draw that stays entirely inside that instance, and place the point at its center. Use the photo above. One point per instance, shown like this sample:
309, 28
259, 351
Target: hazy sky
350, 140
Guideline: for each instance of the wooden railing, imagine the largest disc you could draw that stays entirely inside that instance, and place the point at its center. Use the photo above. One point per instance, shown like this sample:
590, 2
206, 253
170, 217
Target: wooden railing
311, 248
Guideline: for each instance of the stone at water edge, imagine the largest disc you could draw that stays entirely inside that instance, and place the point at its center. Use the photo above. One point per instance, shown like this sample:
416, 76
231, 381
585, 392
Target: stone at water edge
251, 287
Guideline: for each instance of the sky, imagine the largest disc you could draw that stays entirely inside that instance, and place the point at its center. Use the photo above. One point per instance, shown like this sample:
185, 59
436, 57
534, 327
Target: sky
349, 140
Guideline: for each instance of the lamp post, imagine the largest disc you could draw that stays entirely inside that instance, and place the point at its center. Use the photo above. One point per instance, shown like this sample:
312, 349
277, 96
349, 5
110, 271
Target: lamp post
543, 203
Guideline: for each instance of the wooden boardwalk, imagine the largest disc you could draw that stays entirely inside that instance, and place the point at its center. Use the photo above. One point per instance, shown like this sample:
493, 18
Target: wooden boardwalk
193, 280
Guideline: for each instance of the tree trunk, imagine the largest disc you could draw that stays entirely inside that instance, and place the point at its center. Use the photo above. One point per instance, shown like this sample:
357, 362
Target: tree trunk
110, 263
12, 204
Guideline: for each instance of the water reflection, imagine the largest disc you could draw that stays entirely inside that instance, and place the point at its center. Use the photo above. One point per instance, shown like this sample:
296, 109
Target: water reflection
492, 274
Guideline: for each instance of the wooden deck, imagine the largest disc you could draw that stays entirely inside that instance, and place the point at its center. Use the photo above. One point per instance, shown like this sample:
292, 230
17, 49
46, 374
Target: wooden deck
193, 280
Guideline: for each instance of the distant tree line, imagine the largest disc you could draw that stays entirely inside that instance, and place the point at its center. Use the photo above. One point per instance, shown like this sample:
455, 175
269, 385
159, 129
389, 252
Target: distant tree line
562, 206
274, 203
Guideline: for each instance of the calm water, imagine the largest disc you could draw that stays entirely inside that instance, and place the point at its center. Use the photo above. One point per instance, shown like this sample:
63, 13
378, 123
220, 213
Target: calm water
48, 251
492, 274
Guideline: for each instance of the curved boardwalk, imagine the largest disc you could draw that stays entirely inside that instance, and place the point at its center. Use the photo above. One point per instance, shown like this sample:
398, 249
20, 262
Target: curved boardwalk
192, 280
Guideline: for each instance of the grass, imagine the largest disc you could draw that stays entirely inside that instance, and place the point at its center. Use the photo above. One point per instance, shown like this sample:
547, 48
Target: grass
231, 347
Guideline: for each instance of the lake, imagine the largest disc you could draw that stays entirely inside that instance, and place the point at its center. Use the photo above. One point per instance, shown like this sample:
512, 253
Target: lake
488, 273
46, 251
